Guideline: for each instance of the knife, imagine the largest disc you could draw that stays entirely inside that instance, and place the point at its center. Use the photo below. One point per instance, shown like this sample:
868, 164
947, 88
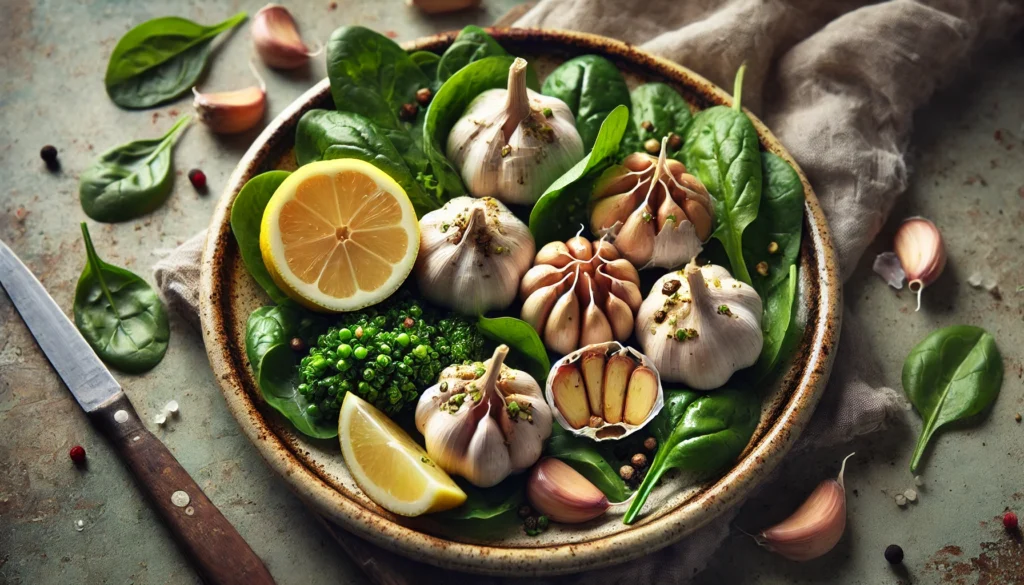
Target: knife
219, 554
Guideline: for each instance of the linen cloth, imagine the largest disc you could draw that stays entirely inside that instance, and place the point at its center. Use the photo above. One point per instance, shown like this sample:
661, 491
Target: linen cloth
837, 82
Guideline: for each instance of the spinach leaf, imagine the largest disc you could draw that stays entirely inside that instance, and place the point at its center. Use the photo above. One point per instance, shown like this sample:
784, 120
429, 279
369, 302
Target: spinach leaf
160, 59
954, 374
268, 332
472, 44
327, 135
373, 77
119, 314
665, 110
779, 314
562, 208
487, 504
129, 180
585, 457
447, 107
246, 217
721, 149
528, 349
780, 220
592, 87
708, 432
428, 63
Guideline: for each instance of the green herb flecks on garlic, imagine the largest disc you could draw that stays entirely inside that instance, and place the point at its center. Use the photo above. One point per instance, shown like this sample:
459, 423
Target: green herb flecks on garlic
473, 252
484, 429
512, 143
699, 325
655, 212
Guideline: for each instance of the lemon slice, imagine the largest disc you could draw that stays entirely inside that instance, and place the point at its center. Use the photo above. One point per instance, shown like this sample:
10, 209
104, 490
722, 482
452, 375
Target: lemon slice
339, 235
389, 466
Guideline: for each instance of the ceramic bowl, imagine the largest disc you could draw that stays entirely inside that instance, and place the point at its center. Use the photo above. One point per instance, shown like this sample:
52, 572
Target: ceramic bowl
315, 470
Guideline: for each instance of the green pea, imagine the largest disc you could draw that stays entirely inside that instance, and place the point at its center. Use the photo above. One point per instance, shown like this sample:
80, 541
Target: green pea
303, 389
369, 332
403, 339
368, 374
363, 388
313, 411
420, 351
415, 311
343, 365
414, 338
360, 353
344, 334
383, 361
384, 348
344, 350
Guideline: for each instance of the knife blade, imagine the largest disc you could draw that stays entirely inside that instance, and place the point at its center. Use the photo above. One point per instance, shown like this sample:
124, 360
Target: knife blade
218, 552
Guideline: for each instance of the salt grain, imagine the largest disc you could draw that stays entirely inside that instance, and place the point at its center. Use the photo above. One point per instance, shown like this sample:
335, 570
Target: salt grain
911, 495
901, 500
974, 280
918, 481
172, 407
79, 525
160, 419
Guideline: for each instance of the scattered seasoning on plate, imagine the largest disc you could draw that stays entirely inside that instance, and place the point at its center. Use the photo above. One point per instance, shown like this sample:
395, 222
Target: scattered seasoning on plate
77, 454
894, 554
198, 180
49, 155
1010, 521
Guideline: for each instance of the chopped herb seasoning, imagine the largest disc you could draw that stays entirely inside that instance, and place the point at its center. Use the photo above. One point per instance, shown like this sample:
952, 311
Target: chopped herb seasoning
724, 310
685, 334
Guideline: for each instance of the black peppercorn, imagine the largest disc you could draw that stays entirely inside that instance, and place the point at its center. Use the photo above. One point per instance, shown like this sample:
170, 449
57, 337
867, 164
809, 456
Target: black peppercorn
530, 523
674, 141
49, 155
424, 95
639, 461
297, 344
626, 472
650, 443
894, 554
408, 112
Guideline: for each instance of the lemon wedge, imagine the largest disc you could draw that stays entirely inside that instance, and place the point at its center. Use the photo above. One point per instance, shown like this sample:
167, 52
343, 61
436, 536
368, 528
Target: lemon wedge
339, 235
389, 466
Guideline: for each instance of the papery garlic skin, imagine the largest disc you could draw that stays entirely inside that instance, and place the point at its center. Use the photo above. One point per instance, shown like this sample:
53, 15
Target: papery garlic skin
580, 293
473, 252
922, 253
815, 527
276, 38
512, 144
471, 428
699, 325
655, 213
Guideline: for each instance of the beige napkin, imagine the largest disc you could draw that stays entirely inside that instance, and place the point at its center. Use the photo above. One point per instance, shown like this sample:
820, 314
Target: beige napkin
838, 82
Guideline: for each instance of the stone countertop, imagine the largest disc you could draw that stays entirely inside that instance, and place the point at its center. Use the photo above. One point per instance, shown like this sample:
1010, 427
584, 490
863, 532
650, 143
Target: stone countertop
967, 152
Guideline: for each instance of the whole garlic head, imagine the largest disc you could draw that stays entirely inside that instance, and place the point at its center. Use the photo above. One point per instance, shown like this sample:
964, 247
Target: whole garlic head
511, 144
579, 293
699, 325
657, 214
484, 422
472, 254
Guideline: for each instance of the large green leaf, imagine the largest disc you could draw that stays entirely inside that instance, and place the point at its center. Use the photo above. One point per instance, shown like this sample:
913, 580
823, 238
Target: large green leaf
246, 218
592, 87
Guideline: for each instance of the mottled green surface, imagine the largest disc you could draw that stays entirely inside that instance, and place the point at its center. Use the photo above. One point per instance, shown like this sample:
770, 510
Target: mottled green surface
52, 58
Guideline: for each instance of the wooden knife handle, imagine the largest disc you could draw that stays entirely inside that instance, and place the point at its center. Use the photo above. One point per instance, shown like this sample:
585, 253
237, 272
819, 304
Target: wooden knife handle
220, 555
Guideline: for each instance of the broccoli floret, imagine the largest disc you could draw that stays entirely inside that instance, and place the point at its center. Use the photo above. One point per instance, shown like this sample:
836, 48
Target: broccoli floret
387, 355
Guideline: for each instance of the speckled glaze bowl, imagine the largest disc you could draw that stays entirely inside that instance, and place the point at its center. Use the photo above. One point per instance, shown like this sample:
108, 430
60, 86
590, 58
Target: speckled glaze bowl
315, 470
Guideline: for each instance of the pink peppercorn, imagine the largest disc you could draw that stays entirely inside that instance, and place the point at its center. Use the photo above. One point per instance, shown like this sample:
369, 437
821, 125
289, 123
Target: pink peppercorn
77, 454
1010, 521
198, 179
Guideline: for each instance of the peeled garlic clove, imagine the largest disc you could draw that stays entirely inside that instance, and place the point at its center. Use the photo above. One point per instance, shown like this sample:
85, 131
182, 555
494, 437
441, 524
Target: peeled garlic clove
562, 330
276, 38
922, 253
570, 395
562, 494
816, 526
230, 112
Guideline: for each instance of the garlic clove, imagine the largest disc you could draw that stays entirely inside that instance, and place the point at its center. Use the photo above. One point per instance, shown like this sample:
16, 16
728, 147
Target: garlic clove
622, 269
635, 241
922, 253
276, 39
537, 306
669, 214
816, 526
538, 277
562, 330
592, 366
641, 394
639, 161
562, 494
580, 248
700, 216
616, 381
554, 253
606, 251
570, 396
230, 112
616, 179
620, 315
596, 328
611, 211
624, 289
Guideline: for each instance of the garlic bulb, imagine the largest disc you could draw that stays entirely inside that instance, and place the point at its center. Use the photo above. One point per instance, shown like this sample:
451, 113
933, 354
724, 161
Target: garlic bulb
472, 254
579, 293
657, 214
484, 422
511, 144
699, 325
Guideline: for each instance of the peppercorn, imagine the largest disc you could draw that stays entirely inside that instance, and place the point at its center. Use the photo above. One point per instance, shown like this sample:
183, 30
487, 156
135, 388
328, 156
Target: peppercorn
198, 179
77, 454
530, 523
49, 155
525, 511
639, 460
674, 141
762, 268
626, 472
652, 145
408, 323
1017, 417
773, 247
646, 125
424, 95
408, 112
1010, 521
650, 443
297, 344
894, 554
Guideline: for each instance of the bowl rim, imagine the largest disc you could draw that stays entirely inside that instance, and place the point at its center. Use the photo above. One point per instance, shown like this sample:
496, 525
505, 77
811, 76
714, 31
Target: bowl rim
644, 537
